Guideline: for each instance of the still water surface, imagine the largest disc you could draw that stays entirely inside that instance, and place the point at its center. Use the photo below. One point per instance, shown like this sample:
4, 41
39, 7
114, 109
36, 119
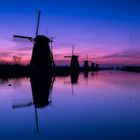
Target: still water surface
106, 105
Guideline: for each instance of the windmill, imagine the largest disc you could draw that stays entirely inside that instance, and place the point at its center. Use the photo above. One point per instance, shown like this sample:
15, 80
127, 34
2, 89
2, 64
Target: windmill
93, 66
86, 64
96, 66
41, 44
74, 60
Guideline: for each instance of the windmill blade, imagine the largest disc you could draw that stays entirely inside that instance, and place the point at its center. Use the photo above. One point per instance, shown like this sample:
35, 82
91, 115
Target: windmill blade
38, 22
24, 37
73, 49
36, 120
22, 104
87, 57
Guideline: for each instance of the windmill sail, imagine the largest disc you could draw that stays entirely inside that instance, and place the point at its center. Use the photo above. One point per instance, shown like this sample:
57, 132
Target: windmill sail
38, 22
24, 37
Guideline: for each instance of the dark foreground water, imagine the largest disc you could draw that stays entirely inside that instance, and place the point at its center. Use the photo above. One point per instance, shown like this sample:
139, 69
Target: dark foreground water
106, 105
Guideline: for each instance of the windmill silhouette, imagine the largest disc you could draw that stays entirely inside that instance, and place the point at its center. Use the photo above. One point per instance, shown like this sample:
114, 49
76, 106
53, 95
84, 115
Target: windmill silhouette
86, 64
41, 54
90, 65
74, 64
96, 66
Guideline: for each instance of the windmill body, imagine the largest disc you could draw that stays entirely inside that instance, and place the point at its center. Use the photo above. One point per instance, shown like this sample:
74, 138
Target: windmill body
74, 63
86, 64
41, 54
96, 67
92, 66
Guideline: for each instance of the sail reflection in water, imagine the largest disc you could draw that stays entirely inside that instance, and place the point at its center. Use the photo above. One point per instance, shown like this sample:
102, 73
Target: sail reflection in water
105, 105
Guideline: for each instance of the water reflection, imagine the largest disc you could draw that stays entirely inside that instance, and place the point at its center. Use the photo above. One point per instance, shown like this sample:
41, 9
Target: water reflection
86, 75
107, 107
74, 78
41, 93
41, 89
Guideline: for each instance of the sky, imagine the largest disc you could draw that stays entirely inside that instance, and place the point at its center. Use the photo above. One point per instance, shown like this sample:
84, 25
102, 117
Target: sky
108, 31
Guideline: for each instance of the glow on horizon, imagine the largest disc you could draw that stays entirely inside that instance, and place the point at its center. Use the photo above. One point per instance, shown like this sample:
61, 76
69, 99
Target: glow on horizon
105, 56
103, 52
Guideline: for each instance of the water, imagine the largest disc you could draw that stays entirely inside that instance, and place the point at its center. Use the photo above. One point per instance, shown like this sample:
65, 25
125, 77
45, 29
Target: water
106, 105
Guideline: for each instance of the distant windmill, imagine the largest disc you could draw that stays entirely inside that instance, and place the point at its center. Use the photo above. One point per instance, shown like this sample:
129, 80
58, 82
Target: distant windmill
96, 66
86, 64
92, 66
74, 60
42, 43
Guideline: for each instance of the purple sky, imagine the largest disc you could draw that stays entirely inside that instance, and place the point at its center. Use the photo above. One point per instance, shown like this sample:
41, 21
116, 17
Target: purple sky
109, 32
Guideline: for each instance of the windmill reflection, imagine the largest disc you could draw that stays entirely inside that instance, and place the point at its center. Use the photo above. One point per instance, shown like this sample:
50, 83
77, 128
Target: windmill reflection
41, 88
86, 74
73, 80
74, 77
41, 93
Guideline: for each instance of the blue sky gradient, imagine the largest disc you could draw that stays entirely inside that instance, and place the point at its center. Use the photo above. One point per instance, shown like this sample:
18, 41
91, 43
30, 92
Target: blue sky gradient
108, 31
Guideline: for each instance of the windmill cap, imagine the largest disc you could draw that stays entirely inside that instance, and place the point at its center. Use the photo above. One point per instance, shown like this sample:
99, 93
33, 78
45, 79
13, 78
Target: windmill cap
42, 39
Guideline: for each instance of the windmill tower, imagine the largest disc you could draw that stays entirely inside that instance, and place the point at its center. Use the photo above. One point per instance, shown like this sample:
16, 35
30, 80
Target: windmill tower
74, 64
92, 66
96, 66
42, 56
86, 64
